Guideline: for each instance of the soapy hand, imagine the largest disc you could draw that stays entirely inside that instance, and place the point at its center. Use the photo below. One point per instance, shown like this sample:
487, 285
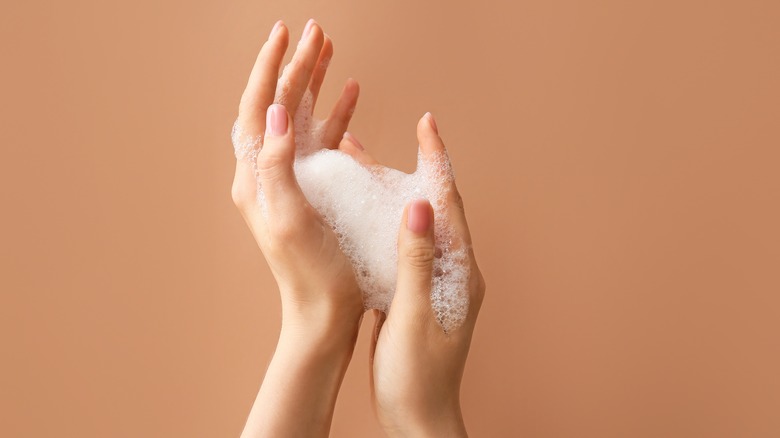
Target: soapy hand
321, 303
315, 279
416, 367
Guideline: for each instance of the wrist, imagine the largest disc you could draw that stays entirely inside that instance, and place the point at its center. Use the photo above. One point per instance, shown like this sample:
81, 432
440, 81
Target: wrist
324, 326
303, 379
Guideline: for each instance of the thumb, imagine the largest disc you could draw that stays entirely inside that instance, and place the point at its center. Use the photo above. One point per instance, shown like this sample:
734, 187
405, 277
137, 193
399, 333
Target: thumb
415, 263
275, 162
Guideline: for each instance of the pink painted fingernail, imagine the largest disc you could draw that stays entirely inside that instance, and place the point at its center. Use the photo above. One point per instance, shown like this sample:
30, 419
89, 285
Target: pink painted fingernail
276, 120
275, 28
307, 29
354, 140
418, 218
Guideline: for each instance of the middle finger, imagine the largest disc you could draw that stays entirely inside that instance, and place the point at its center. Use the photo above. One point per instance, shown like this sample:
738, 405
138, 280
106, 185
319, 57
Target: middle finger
297, 74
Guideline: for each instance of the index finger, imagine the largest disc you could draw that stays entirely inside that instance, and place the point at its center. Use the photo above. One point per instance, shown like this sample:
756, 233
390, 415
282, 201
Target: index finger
250, 125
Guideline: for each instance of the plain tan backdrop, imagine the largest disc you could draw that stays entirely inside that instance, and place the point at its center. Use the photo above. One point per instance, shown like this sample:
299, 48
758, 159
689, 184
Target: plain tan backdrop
619, 162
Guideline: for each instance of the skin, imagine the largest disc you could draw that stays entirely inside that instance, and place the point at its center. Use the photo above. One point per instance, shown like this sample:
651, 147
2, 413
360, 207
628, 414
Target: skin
416, 367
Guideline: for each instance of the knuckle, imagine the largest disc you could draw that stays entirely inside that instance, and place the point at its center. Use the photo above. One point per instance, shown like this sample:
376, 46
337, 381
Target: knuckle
283, 88
283, 233
247, 103
299, 67
251, 106
270, 166
241, 195
274, 247
481, 286
478, 288
285, 236
419, 255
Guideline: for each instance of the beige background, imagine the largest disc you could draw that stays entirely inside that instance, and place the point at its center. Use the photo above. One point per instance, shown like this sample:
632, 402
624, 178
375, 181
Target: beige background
619, 162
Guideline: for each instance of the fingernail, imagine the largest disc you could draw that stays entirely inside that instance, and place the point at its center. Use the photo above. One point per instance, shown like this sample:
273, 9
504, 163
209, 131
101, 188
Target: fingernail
432, 122
275, 28
354, 141
307, 29
418, 218
276, 120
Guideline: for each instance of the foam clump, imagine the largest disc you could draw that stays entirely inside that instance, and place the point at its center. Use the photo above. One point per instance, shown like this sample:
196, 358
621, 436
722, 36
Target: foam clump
364, 207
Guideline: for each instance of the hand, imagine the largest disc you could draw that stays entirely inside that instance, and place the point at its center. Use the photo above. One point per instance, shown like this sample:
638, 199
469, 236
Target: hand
321, 302
314, 277
416, 368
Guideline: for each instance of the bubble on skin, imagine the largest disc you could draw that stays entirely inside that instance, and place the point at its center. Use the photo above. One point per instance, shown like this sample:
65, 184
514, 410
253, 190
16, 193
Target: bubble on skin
246, 148
364, 207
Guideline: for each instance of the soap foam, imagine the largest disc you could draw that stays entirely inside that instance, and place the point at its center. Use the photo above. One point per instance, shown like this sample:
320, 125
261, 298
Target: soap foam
364, 207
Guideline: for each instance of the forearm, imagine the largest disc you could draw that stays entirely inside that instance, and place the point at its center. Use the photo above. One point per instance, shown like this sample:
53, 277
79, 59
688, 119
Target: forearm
299, 390
413, 425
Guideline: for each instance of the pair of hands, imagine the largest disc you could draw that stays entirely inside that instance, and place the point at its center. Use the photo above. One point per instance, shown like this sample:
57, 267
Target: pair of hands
416, 368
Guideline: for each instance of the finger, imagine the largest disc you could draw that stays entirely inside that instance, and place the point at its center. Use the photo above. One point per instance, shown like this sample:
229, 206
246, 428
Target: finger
261, 86
338, 120
320, 69
412, 300
428, 136
298, 73
249, 127
283, 196
379, 320
352, 147
433, 153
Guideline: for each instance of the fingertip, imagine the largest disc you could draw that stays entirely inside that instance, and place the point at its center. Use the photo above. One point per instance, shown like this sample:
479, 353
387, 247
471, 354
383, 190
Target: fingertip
424, 127
345, 106
274, 29
327, 48
279, 30
308, 27
314, 31
352, 147
428, 135
352, 87
347, 146
353, 140
284, 34
427, 124
431, 122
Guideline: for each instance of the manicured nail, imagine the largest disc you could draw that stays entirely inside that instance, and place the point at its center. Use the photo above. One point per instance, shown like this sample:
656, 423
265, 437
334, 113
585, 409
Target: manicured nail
275, 28
432, 122
307, 29
276, 120
354, 141
418, 218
